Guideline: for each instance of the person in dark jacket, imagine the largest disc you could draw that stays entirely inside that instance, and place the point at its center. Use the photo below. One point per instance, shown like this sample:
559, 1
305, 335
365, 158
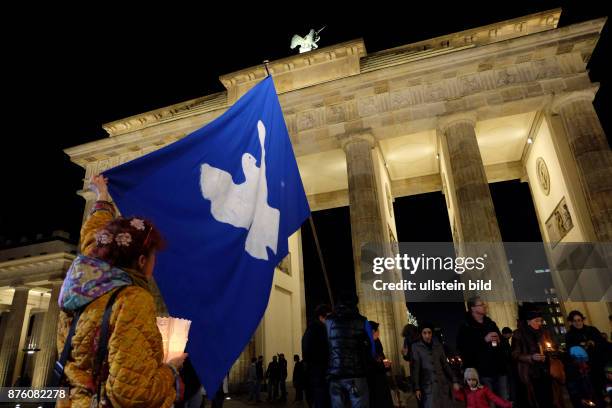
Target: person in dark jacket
273, 375
193, 387
528, 347
512, 374
298, 378
380, 394
315, 356
431, 373
282, 364
585, 378
480, 345
411, 335
351, 349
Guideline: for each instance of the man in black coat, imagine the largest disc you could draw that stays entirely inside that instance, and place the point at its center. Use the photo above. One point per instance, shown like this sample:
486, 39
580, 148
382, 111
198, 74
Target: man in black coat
298, 378
315, 357
273, 376
282, 363
481, 347
351, 350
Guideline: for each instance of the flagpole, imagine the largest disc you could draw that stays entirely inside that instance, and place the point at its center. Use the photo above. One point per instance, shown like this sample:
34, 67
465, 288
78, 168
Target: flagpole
316, 239
314, 230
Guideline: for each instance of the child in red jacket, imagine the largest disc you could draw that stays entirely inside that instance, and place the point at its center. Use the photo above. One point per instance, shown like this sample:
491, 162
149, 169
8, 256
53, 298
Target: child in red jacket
476, 395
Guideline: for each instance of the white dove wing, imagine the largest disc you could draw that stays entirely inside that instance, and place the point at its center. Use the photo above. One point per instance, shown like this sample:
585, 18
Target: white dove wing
229, 203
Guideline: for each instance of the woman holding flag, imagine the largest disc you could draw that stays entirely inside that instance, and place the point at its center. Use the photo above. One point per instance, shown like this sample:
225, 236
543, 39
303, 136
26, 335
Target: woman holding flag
108, 340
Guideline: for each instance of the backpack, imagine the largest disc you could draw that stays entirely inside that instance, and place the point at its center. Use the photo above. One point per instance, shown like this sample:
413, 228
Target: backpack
59, 378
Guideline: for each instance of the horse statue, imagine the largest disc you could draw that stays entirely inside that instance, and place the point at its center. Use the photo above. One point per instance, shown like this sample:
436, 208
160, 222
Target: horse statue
308, 42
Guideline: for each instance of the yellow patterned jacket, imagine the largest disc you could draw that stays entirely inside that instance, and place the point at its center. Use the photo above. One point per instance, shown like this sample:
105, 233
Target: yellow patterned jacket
137, 376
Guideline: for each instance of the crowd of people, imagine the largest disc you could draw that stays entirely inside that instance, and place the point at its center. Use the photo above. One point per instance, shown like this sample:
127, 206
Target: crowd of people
345, 364
111, 350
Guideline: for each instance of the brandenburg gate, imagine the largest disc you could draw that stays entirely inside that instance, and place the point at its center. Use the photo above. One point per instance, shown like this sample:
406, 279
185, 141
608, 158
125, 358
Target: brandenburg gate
511, 100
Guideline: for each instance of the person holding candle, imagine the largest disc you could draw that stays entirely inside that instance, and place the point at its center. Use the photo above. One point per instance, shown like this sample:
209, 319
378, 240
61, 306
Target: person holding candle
480, 345
380, 393
528, 352
116, 262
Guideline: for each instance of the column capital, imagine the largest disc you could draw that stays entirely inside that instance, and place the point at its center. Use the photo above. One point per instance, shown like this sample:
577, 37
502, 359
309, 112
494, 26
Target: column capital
563, 99
444, 122
360, 135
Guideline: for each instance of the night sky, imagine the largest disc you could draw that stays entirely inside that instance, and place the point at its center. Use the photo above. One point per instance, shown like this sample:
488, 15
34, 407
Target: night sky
66, 74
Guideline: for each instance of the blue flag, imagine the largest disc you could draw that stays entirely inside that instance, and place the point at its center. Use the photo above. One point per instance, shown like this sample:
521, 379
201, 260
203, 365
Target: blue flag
226, 198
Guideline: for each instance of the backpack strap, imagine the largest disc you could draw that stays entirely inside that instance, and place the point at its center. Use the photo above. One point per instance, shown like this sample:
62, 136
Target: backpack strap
58, 368
102, 353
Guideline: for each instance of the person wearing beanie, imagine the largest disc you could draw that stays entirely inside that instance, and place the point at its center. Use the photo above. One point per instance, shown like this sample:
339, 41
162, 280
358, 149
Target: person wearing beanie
431, 372
585, 376
529, 343
476, 395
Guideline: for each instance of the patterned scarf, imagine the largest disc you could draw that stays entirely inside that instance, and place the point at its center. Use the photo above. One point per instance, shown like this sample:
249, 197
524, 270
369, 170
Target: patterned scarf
89, 278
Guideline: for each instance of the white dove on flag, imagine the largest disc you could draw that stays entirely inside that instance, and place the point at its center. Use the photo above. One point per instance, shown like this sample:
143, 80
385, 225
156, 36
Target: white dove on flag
244, 205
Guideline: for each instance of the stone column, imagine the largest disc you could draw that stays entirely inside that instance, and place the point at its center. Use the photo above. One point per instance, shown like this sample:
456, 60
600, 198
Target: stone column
46, 357
12, 335
4, 316
474, 219
367, 228
591, 152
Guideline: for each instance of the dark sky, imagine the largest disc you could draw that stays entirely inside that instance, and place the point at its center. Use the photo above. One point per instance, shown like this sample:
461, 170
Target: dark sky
66, 72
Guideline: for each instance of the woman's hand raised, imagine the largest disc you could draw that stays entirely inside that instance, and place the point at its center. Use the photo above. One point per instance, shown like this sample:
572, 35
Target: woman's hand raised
98, 184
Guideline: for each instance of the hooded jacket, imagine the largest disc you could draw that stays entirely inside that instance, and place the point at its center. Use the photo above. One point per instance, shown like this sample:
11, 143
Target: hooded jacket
137, 376
481, 397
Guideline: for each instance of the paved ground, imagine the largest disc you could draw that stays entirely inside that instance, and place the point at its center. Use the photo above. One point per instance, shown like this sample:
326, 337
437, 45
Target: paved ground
240, 401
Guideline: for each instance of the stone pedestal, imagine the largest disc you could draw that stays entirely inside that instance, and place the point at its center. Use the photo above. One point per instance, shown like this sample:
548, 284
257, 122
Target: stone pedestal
46, 357
12, 334
367, 228
473, 213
